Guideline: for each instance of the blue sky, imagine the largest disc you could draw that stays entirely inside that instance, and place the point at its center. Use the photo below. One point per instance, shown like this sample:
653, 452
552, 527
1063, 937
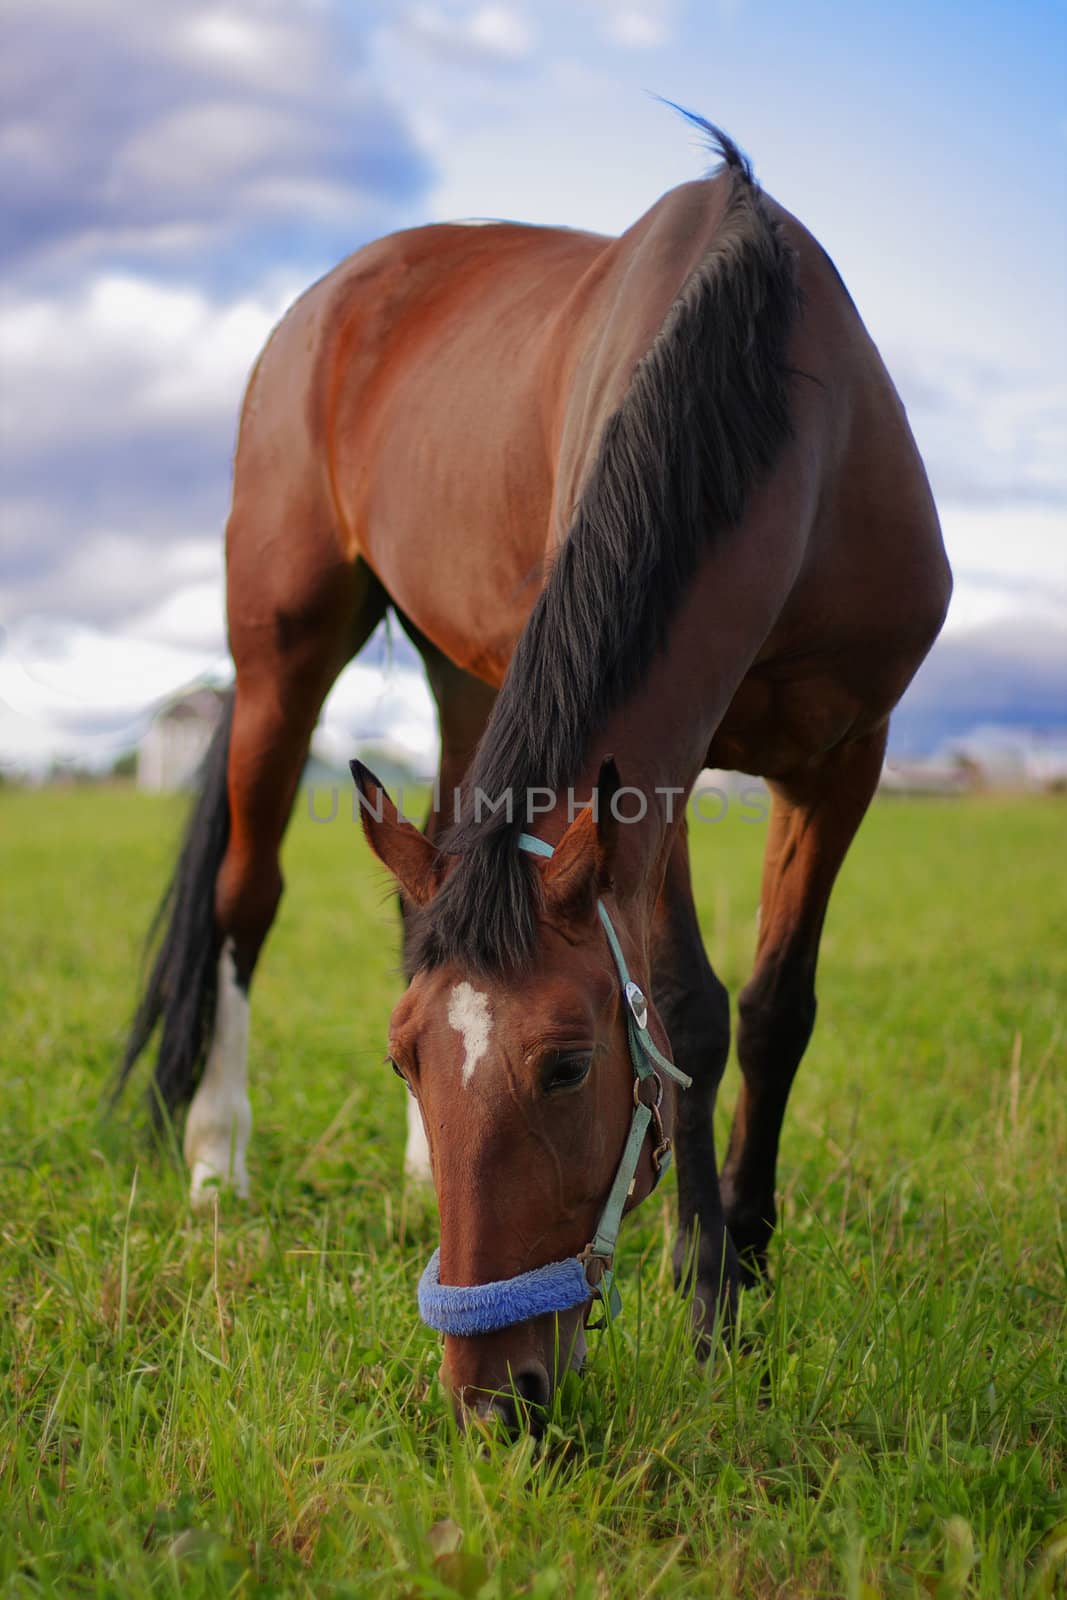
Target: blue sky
175, 175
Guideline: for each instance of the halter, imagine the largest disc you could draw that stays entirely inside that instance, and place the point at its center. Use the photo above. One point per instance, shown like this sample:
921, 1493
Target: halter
561, 1285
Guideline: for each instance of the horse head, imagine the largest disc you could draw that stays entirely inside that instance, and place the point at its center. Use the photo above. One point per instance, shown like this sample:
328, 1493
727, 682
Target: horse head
541, 1106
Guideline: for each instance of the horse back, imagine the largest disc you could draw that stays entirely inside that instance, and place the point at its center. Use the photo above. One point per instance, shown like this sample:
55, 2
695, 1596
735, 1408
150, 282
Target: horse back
442, 396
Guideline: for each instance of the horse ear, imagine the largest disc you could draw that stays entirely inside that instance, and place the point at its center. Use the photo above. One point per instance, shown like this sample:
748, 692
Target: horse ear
417, 867
583, 865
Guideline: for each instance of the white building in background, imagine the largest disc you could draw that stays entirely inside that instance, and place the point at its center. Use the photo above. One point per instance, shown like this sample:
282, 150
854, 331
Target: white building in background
169, 755
171, 751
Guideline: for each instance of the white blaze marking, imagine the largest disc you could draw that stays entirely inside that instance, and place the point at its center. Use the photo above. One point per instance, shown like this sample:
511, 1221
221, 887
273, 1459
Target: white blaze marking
220, 1117
468, 1013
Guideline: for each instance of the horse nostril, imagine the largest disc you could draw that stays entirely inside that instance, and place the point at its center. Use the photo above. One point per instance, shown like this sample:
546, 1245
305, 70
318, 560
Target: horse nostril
532, 1385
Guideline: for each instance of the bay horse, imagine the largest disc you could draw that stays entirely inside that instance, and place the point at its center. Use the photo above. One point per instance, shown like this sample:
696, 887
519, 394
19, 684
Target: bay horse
645, 504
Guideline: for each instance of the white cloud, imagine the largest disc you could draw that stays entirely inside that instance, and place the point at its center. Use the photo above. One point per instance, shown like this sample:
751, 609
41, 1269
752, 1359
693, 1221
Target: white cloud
103, 575
501, 29
638, 26
486, 35
637, 29
1011, 549
59, 668
265, 50
192, 617
72, 692
123, 352
387, 705
989, 432
567, 169
978, 602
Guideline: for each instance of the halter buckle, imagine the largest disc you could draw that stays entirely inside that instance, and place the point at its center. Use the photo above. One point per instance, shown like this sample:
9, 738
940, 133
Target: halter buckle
595, 1266
635, 999
602, 1282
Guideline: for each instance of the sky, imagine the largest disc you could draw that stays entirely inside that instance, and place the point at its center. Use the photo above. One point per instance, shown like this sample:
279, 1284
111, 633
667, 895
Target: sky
173, 175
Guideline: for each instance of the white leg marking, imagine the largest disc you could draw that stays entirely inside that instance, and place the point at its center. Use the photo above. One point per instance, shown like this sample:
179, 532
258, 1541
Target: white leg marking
220, 1117
468, 1013
417, 1154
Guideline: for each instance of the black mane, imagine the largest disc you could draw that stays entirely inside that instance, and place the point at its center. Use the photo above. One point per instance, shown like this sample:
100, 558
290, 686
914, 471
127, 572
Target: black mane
703, 421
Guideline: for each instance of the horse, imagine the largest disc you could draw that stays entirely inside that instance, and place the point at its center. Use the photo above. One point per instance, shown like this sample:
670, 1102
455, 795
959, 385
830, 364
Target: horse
644, 504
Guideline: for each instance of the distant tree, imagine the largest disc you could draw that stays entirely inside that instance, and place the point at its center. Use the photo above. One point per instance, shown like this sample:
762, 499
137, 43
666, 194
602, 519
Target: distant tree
125, 765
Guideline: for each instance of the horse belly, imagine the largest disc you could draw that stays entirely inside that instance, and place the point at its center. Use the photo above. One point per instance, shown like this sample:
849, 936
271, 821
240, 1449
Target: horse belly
455, 524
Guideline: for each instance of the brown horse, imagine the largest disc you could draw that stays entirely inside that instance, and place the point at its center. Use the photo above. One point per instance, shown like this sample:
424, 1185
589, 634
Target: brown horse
660, 492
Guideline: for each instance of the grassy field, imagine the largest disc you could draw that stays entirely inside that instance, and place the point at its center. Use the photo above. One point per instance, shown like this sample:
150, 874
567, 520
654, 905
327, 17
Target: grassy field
248, 1403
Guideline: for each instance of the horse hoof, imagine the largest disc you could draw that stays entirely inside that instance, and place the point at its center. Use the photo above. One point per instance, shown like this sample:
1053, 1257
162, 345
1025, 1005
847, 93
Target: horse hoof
210, 1180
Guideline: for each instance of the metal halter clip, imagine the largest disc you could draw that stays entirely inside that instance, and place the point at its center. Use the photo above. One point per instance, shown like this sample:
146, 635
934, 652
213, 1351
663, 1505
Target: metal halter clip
635, 999
601, 1280
661, 1144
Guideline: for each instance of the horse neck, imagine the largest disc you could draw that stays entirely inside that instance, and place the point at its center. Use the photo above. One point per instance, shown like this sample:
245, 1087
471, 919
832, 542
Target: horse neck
661, 735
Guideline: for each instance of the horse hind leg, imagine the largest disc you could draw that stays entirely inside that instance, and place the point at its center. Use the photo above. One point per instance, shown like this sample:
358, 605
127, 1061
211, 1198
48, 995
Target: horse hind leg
286, 663
813, 822
218, 1124
269, 741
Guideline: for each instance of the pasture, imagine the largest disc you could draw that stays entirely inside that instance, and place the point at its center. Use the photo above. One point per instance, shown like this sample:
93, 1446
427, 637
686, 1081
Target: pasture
247, 1402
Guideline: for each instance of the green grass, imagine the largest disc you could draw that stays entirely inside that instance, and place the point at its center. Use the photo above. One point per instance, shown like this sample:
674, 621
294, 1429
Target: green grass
192, 1406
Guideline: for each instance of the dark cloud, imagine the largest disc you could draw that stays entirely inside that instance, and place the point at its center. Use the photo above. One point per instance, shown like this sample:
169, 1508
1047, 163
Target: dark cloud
174, 176
1007, 674
119, 415
191, 136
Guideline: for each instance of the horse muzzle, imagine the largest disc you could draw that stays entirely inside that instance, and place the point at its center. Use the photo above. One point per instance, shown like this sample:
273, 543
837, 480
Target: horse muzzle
508, 1377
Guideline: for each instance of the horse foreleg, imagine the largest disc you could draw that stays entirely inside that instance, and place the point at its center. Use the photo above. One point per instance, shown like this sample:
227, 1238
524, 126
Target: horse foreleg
695, 1008
814, 819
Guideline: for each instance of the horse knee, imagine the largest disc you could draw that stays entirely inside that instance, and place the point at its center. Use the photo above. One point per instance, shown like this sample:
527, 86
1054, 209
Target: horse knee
696, 1014
775, 1023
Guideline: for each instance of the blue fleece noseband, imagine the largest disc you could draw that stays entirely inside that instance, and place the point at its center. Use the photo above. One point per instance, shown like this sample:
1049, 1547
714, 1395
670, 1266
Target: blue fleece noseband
468, 1309
484, 1307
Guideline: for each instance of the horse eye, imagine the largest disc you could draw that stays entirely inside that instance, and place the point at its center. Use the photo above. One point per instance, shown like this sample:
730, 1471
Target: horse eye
401, 1075
564, 1072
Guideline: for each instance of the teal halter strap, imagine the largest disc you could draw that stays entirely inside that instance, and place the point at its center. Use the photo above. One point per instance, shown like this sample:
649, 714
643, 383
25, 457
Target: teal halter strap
646, 1057
648, 1062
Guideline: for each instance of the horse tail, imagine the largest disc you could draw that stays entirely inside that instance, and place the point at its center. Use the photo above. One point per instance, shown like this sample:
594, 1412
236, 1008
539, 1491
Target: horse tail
180, 989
